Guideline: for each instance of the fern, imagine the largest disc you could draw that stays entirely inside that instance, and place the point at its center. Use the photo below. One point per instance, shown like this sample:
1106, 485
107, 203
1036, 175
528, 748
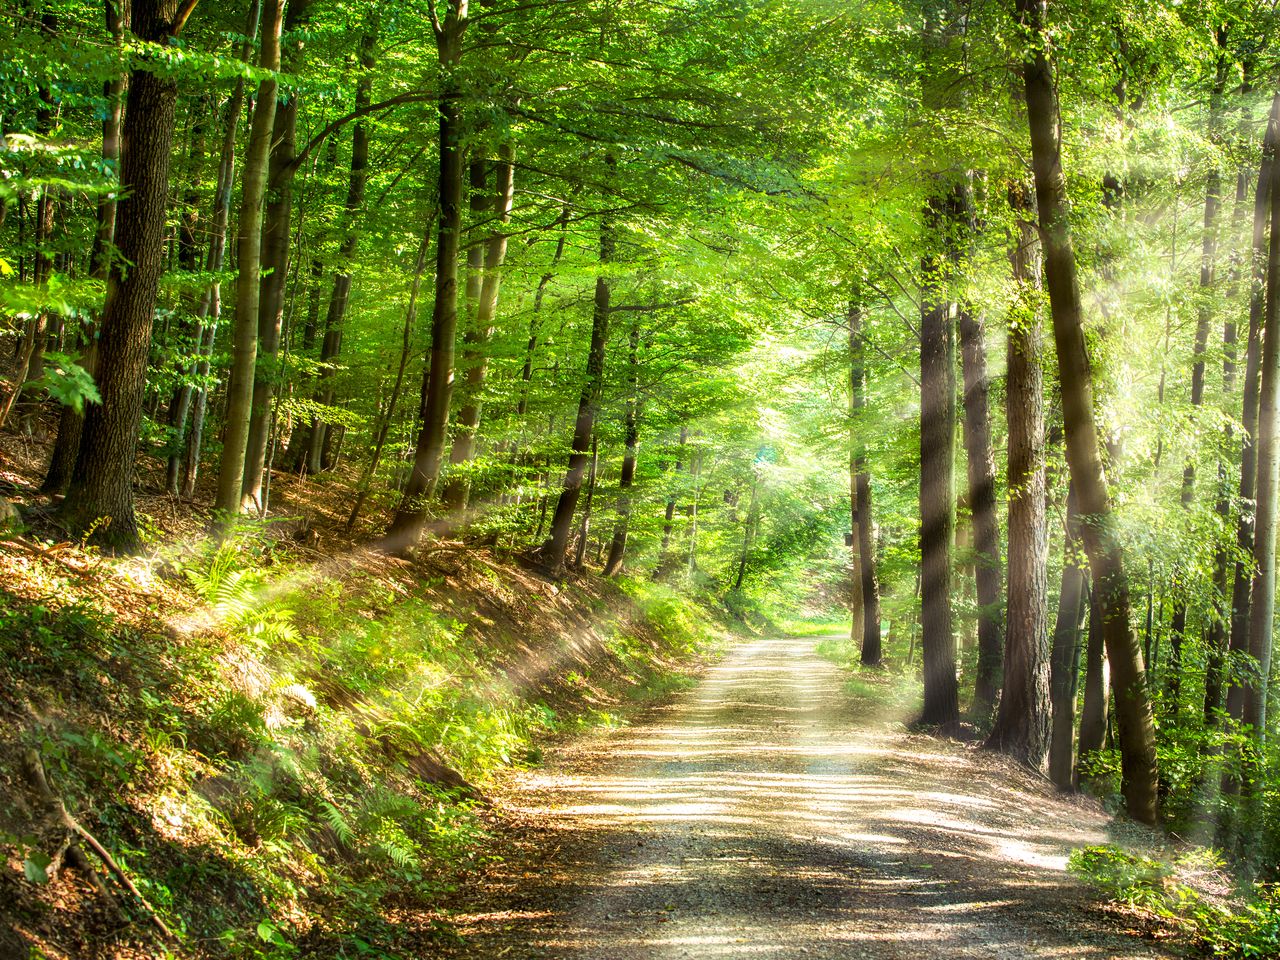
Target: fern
337, 823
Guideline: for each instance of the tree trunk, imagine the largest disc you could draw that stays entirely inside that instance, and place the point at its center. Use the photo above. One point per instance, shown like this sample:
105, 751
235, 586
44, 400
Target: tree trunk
937, 464
553, 551
244, 337
1106, 557
406, 342
458, 488
331, 346
1064, 676
100, 495
71, 421
1262, 610
584, 528
631, 438
1218, 634
749, 529
275, 270
668, 522
1022, 724
863, 524
1242, 598
437, 381
210, 310
982, 505
1204, 316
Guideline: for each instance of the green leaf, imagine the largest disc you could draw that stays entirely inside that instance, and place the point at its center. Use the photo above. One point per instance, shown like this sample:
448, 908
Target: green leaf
36, 867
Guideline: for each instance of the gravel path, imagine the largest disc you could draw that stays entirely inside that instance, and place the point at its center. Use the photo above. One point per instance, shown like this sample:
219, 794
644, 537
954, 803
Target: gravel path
766, 814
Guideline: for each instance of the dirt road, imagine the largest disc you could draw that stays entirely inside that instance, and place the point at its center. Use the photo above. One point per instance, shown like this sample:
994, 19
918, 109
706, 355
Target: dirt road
767, 814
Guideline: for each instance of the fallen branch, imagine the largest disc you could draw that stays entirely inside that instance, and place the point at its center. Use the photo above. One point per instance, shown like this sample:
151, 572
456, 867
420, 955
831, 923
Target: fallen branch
40, 781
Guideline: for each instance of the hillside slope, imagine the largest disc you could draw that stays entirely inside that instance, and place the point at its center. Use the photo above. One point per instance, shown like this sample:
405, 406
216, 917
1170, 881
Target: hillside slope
283, 751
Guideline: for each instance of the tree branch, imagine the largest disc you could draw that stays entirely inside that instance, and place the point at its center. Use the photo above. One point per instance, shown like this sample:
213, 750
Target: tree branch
289, 169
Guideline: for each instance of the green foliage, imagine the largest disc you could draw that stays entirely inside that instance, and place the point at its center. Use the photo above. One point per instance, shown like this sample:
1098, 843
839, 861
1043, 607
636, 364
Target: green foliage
1245, 926
66, 382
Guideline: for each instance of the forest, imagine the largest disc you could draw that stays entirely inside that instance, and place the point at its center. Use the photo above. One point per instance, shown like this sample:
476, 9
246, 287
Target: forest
395, 398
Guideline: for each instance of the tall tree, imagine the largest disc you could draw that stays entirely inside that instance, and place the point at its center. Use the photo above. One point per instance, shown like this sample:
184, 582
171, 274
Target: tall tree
557, 545
1022, 724
437, 378
100, 494
867, 584
1267, 441
494, 252
631, 452
1106, 555
244, 336
982, 504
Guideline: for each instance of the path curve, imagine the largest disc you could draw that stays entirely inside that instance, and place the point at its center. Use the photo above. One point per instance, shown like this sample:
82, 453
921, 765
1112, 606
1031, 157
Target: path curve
766, 814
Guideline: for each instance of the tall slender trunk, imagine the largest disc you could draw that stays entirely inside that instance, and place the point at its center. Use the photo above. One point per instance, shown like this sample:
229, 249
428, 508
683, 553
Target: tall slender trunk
190, 325
1134, 721
340, 296
406, 340
863, 522
100, 494
944, 210
695, 474
1022, 724
631, 440
749, 525
437, 381
70, 420
244, 337
210, 311
1219, 631
584, 528
275, 271
1242, 597
531, 348
982, 505
1267, 443
457, 489
668, 521
1064, 675
554, 550
1204, 317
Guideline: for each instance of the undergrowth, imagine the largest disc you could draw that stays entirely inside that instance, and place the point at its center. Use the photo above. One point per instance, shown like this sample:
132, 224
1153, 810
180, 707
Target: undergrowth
1180, 891
287, 771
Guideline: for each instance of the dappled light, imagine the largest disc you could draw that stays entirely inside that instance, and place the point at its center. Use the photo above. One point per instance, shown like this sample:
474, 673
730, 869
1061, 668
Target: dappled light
762, 815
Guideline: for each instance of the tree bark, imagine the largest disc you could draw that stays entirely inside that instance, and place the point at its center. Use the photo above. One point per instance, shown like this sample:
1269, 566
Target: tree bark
457, 488
937, 465
331, 345
1022, 723
554, 550
244, 337
71, 421
100, 494
1204, 317
1242, 597
1139, 776
437, 382
1064, 676
631, 439
982, 505
1262, 608
275, 270
863, 524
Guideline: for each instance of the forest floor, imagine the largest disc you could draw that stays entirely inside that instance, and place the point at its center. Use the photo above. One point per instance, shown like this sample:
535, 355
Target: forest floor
774, 812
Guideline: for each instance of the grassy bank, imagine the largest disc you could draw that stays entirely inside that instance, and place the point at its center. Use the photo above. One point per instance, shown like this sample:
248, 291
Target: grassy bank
282, 754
